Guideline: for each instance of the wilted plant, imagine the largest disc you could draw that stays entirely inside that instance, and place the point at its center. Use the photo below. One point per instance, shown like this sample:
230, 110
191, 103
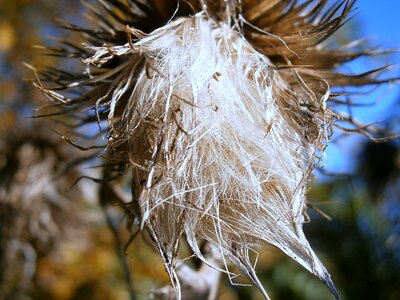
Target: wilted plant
219, 111
36, 211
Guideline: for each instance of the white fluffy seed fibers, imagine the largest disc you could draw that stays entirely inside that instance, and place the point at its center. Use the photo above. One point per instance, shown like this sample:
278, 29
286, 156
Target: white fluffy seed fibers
215, 154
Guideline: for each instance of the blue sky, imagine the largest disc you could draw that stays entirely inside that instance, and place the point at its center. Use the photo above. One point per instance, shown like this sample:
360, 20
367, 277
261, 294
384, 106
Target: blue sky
380, 20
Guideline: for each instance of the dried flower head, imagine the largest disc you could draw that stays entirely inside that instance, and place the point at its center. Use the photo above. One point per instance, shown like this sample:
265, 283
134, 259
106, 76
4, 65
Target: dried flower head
219, 110
36, 212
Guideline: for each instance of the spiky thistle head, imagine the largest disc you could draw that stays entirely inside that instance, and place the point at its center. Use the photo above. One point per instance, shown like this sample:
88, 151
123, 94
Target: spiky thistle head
219, 110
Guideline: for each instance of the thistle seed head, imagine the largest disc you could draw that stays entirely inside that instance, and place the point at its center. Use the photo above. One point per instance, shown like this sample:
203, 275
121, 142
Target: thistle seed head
219, 111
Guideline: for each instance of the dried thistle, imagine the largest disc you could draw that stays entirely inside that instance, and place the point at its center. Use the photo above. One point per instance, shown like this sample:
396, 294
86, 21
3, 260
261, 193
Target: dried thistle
36, 212
219, 110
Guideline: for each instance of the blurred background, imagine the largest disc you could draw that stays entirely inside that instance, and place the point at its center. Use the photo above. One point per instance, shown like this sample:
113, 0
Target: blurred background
54, 239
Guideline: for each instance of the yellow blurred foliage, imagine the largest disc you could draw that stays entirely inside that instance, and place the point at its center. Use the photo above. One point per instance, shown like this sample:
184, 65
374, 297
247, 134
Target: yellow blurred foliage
7, 36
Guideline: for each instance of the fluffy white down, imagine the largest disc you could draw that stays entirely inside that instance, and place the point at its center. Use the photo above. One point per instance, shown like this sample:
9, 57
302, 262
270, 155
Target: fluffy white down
212, 152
